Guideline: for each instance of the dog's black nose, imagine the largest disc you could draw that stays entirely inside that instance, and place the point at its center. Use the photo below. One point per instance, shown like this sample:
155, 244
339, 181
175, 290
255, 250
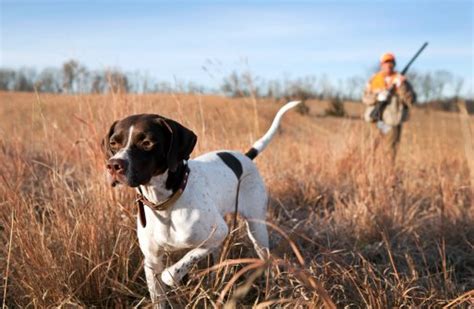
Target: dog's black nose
117, 166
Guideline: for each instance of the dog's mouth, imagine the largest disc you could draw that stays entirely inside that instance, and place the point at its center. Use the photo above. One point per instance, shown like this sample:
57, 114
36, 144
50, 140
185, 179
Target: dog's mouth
114, 179
121, 179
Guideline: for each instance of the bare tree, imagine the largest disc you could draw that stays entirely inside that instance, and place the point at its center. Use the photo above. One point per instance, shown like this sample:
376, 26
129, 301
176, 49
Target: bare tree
354, 87
194, 88
118, 81
98, 83
82, 79
232, 85
427, 86
7, 78
457, 86
274, 89
441, 79
163, 87
69, 75
24, 80
48, 81
327, 90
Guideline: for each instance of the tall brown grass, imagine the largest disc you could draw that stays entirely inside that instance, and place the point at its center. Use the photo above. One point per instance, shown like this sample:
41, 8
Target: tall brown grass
347, 227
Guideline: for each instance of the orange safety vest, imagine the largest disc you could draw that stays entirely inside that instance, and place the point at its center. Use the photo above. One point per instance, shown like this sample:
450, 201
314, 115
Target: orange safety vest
380, 81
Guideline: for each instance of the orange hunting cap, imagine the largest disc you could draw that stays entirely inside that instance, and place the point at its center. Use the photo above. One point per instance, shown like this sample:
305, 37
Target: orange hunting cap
387, 57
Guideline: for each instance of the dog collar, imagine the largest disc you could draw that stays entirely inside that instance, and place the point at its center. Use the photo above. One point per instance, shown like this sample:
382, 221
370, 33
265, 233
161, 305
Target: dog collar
141, 200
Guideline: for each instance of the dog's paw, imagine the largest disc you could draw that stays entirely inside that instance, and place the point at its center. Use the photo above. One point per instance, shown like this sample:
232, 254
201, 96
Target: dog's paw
169, 278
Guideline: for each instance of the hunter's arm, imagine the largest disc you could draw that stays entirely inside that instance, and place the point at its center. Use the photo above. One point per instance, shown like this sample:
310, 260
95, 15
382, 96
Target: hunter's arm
407, 94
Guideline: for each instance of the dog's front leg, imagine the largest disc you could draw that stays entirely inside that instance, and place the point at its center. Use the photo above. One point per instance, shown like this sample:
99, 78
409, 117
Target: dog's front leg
172, 275
153, 267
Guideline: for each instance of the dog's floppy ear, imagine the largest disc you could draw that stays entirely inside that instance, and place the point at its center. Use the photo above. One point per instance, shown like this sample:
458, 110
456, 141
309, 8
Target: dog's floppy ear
182, 142
105, 141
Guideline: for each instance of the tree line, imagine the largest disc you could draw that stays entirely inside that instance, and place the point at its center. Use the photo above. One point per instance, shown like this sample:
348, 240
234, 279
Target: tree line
73, 77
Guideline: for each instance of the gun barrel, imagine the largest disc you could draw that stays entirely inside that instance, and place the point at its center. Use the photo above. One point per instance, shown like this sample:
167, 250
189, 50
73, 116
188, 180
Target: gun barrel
407, 66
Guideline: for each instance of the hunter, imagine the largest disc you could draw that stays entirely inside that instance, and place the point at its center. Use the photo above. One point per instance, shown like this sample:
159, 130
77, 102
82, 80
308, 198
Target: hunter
396, 112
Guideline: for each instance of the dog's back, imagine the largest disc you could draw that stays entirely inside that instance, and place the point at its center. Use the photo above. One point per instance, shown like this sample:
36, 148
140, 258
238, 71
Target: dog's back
219, 172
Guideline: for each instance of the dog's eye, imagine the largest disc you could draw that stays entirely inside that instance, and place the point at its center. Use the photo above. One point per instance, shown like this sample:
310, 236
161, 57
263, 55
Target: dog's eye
113, 145
147, 145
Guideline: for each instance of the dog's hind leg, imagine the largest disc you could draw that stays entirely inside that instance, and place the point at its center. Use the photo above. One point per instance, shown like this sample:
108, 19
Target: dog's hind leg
216, 255
216, 258
253, 206
257, 232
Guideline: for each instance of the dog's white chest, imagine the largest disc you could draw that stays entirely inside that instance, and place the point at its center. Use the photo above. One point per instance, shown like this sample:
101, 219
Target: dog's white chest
164, 231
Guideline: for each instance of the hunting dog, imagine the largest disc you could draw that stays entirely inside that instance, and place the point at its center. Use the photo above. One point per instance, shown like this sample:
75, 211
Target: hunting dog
182, 202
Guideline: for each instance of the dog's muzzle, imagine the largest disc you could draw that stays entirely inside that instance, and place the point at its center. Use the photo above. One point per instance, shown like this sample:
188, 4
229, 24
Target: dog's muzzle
117, 169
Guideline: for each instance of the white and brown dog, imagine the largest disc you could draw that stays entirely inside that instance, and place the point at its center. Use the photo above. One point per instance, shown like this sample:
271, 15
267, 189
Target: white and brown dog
182, 203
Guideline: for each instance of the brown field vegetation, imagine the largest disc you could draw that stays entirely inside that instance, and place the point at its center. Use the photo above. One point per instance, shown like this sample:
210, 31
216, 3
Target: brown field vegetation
349, 228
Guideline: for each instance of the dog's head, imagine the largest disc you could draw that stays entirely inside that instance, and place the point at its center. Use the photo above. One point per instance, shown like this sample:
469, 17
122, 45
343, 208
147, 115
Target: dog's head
146, 145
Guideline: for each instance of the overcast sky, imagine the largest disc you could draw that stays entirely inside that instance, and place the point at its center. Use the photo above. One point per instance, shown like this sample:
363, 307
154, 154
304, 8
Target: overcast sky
175, 40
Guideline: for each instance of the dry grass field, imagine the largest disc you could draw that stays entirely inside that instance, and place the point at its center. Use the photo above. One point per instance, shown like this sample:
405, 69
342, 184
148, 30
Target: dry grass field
347, 227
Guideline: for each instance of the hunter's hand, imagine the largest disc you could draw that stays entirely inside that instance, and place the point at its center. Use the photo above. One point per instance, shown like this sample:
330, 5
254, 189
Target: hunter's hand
400, 80
382, 96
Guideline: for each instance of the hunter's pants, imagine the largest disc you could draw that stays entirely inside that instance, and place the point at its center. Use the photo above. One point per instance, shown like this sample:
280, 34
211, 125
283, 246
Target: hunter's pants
394, 136
390, 142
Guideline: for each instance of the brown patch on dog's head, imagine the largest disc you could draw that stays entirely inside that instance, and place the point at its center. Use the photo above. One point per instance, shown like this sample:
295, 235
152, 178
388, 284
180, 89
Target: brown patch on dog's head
105, 145
181, 142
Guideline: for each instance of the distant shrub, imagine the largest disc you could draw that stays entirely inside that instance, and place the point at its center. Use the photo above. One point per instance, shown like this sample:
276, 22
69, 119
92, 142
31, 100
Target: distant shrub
336, 108
303, 108
300, 94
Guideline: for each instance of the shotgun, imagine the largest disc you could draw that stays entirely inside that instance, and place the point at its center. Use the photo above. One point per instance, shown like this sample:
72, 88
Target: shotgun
380, 106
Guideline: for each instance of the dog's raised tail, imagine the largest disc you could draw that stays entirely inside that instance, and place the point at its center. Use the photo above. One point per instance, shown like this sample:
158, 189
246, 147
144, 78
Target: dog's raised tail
263, 142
